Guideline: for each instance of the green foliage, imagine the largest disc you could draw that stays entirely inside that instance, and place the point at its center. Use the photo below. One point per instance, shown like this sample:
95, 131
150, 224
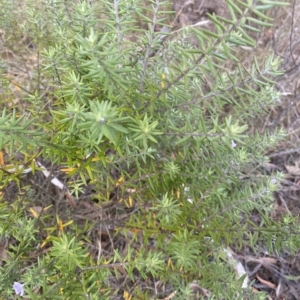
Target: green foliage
159, 109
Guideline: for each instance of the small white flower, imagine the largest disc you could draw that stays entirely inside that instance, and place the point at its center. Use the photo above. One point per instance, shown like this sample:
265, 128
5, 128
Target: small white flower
190, 199
18, 287
233, 144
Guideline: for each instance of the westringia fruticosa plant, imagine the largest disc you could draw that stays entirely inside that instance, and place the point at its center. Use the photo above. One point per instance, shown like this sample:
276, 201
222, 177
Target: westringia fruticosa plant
122, 99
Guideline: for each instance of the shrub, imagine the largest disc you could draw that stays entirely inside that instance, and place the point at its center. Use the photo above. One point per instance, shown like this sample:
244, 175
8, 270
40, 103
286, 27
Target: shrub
160, 123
